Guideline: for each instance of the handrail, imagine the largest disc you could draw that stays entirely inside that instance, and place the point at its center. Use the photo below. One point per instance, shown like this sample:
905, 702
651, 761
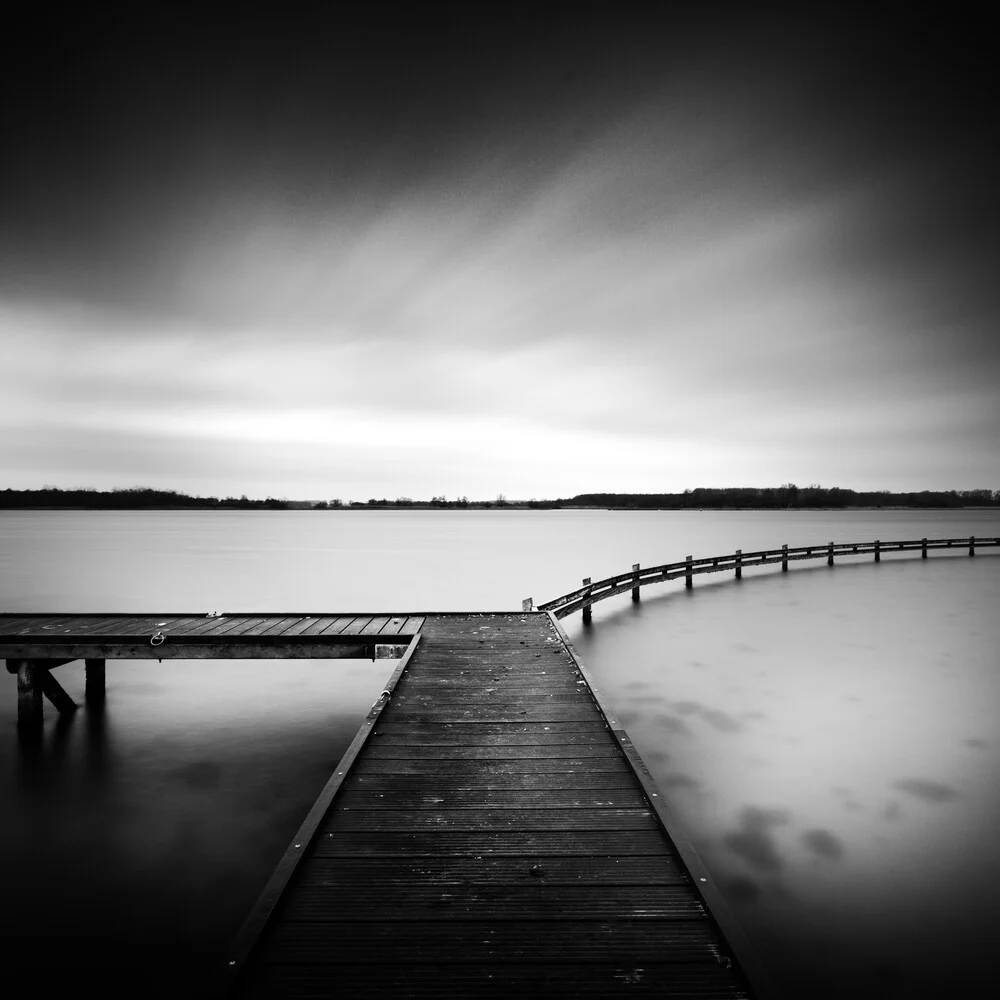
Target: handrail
592, 592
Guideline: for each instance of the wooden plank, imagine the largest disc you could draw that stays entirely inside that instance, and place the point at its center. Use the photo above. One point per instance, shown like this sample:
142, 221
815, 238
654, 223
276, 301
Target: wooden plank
46, 625
597, 735
494, 752
375, 626
581, 712
240, 627
358, 625
437, 799
318, 625
473, 730
495, 902
475, 843
267, 626
475, 942
306, 621
563, 780
393, 626
499, 979
93, 623
213, 626
338, 625
172, 649
550, 869
490, 819
281, 625
486, 769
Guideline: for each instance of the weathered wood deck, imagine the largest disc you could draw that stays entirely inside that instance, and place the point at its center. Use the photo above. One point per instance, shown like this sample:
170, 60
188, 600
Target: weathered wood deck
491, 830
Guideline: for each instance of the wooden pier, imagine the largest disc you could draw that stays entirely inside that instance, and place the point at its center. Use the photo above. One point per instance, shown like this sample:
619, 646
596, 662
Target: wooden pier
491, 828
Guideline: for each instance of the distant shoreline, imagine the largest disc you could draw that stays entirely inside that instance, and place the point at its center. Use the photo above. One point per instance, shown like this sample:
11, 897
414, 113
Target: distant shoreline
494, 507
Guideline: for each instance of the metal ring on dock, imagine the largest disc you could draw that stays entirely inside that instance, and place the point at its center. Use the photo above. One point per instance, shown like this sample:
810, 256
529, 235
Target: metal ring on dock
158, 638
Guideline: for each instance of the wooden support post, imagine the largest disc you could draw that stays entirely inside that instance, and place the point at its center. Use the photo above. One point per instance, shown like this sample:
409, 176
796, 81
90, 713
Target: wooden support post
923, 548
972, 545
635, 589
586, 607
739, 564
29, 694
96, 683
55, 692
688, 577
784, 558
829, 554
878, 551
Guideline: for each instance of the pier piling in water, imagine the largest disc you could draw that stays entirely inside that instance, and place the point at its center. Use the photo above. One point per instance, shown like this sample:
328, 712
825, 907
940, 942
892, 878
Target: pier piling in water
688, 574
635, 589
739, 564
586, 607
96, 682
29, 694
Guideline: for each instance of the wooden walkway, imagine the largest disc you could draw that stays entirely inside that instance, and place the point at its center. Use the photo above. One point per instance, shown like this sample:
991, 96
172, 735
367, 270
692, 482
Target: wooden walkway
491, 830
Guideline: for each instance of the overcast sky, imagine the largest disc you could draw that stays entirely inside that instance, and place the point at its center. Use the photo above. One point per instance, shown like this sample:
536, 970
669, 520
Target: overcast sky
478, 253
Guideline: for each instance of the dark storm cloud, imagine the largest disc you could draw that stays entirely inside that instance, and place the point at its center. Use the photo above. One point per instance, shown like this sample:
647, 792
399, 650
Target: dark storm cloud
577, 221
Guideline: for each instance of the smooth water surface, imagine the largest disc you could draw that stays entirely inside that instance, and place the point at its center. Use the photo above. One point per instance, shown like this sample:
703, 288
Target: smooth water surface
828, 738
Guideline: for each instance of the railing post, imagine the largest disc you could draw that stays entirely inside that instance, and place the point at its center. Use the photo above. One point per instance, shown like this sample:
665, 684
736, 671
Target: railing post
527, 604
739, 564
784, 558
972, 545
923, 548
878, 551
688, 577
829, 554
635, 589
586, 607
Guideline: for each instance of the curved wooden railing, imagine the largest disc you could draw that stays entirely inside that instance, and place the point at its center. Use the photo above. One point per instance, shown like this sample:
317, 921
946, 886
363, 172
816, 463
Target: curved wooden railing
592, 592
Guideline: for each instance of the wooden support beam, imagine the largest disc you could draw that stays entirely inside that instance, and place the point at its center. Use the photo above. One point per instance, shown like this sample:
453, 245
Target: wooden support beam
635, 589
54, 691
96, 681
586, 607
878, 551
29, 694
972, 545
784, 558
688, 577
739, 564
829, 554
358, 647
923, 548
527, 604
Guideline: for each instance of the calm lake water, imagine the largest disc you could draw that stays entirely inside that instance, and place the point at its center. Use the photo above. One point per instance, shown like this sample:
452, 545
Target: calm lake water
829, 738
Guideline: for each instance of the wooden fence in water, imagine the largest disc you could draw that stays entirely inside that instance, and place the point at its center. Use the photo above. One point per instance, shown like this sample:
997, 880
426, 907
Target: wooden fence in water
591, 592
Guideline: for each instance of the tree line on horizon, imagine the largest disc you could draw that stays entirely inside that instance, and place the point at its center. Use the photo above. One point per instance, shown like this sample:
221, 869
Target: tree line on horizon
786, 496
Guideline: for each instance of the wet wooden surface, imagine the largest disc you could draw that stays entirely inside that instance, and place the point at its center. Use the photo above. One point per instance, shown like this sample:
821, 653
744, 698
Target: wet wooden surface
178, 636
490, 837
